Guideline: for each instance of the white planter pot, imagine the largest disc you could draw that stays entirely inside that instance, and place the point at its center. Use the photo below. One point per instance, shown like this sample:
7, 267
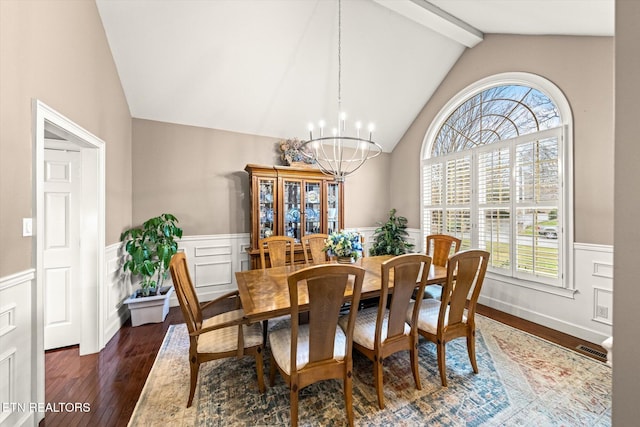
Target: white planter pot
153, 309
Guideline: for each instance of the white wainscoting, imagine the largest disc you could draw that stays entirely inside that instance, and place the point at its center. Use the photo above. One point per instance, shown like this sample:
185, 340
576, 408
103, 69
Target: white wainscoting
16, 356
587, 314
594, 265
117, 288
213, 261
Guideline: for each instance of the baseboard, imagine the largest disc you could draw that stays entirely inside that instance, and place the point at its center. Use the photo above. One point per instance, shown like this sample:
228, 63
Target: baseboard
572, 329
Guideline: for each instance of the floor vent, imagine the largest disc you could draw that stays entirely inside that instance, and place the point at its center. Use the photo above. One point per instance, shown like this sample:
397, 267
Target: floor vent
597, 353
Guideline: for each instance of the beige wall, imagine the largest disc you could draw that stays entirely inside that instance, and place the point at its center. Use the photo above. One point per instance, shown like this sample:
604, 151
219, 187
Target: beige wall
367, 194
626, 376
198, 175
582, 67
56, 51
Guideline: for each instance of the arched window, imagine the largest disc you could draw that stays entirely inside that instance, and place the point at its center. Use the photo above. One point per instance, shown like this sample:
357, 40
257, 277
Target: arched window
493, 166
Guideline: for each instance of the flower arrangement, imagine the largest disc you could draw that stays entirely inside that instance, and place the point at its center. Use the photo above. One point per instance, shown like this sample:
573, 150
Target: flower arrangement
344, 244
291, 150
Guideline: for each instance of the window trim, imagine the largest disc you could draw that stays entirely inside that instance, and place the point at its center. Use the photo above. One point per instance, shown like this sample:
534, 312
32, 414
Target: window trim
565, 169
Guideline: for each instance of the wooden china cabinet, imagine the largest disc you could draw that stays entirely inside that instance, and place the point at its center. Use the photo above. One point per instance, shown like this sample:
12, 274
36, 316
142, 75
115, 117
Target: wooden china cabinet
292, 201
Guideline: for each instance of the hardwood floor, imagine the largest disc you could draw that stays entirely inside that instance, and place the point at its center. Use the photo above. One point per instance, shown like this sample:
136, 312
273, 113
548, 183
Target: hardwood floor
111, 381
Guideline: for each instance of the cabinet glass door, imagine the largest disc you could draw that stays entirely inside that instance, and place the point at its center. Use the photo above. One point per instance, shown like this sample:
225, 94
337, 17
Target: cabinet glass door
266, 207
292, 207
333, 211
312, 207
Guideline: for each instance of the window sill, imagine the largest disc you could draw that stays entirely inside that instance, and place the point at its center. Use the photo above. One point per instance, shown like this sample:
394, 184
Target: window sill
549, 289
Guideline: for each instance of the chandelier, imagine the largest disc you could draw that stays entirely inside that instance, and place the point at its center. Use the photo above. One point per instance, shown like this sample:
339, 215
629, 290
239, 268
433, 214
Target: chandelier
339, 155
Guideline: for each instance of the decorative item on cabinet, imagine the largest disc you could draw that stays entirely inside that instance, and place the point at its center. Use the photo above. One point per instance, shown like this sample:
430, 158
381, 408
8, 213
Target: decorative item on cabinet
292, 201
292, 153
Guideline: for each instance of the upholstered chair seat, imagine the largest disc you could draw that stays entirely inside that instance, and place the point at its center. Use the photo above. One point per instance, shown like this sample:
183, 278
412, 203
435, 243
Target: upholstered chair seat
280, 342
365, 330
428, 315
226, 339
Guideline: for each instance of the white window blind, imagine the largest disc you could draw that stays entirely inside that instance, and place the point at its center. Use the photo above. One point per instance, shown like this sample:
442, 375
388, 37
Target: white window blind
494, 206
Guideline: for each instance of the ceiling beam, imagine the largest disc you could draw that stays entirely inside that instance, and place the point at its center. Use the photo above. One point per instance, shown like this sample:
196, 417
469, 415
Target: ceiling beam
436, 19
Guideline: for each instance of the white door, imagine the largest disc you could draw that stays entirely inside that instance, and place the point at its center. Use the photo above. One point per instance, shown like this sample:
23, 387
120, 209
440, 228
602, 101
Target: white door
62, 191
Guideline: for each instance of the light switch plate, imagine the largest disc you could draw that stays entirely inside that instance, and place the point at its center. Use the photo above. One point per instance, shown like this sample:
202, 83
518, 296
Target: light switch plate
27, 227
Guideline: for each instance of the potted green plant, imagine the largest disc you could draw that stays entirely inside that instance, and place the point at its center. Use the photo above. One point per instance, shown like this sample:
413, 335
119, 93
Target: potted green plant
149, 249
390, 238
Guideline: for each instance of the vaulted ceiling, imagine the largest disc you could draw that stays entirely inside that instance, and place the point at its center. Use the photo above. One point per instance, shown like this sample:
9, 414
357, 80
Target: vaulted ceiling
270, 67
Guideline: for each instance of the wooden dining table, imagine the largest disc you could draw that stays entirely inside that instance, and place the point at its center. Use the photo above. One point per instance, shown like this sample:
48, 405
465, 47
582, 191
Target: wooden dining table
265, 293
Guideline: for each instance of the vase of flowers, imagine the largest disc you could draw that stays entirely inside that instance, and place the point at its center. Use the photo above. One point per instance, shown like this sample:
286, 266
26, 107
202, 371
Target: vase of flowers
345, 245
292, 151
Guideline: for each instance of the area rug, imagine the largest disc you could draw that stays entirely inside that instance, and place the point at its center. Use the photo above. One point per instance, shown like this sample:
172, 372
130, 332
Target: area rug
522, 381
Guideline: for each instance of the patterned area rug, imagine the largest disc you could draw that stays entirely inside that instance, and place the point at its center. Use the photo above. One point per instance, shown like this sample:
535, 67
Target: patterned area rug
523, 381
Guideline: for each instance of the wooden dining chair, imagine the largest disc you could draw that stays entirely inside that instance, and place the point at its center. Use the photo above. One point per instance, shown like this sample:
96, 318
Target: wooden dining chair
442, 321
281, 252
439, 247
228, 334
313, 248
379, 331
278, 247
319, 349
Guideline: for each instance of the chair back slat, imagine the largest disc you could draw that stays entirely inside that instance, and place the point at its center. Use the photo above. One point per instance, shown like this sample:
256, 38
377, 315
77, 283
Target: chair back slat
440, 247
189, 304
314, 244
408, 272
281, 250
468, 268
325, 300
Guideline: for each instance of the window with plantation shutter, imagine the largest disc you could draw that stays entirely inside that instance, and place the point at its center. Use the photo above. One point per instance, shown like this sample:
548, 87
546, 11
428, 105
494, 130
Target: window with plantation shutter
493, 177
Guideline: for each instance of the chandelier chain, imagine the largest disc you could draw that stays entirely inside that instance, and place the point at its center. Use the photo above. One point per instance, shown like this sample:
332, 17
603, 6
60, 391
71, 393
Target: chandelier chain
340, 155
339, 55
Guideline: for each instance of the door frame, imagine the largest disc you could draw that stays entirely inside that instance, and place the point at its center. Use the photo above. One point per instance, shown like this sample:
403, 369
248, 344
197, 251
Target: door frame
92, 232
